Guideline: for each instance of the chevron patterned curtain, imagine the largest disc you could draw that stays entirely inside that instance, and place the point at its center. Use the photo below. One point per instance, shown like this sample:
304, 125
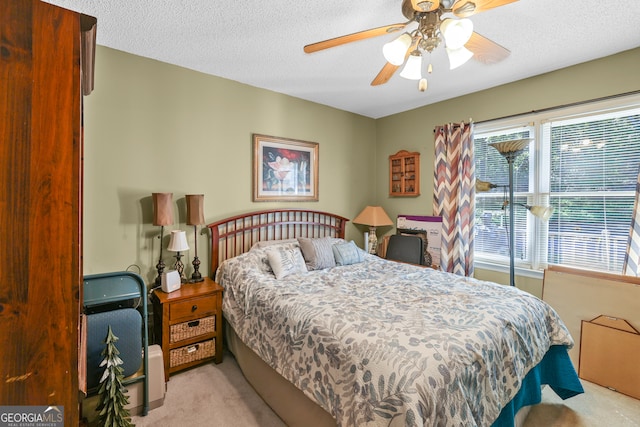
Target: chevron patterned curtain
632, 257
454, 195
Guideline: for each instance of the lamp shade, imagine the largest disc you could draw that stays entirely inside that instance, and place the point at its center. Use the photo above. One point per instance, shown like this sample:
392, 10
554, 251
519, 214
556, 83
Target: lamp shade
512, 146
482, 186
178, 242
413, 68
395, 51
456, 32
542, 212
195, 209
162, 208
373, 216
458, 57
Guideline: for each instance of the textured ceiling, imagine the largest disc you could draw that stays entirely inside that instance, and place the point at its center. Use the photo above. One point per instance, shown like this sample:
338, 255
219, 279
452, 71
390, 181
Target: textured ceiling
260, 43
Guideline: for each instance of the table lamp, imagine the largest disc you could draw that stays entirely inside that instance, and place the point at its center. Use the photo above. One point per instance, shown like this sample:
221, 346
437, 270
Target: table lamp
373, 216
162, 215
177, 244
195, 217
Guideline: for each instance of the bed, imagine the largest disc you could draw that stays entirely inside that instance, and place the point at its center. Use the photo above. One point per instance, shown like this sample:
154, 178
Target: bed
375, 342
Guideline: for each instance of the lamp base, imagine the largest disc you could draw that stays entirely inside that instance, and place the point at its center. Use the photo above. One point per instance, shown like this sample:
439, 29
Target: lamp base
160, 267
196, 276
179, 267
373, 241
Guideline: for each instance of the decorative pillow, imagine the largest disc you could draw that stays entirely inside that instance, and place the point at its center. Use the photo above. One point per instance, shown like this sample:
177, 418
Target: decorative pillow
268, 243
286, 260
347, 253
259, 252
317, 253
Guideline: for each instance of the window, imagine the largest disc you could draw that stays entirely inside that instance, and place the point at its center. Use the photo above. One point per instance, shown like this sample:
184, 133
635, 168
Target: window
583, 161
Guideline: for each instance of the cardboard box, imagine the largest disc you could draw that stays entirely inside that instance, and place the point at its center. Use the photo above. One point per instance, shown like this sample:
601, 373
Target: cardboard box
609, 349
432, 228
578, 295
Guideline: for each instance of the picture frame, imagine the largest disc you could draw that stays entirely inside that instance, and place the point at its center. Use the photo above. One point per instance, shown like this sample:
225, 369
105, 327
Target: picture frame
284, 169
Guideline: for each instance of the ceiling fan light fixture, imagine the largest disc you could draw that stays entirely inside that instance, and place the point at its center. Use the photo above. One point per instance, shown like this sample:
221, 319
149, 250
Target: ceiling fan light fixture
458, 57
439, 22
456, 32
422, 5
394, 51
413, 68
465, 10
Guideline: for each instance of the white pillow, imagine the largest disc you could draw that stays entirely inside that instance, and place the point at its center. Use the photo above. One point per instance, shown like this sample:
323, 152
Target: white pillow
286, 260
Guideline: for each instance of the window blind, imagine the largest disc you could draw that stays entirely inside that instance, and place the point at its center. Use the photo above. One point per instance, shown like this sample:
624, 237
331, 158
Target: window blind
583, 163
594, 168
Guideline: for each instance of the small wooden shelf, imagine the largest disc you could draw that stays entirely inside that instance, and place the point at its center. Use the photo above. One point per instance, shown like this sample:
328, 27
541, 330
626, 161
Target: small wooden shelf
404, 174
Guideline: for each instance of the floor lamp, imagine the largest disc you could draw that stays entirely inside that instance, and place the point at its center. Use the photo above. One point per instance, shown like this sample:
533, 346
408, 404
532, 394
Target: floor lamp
510, 150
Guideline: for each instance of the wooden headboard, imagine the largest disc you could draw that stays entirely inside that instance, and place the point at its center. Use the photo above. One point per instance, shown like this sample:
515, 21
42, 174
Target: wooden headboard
233, 236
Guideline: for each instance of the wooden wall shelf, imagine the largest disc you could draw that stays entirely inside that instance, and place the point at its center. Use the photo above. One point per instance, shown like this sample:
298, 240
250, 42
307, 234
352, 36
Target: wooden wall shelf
404, 174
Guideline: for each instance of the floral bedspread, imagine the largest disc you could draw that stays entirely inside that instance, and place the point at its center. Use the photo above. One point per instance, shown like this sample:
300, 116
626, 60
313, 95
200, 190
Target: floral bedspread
381, 343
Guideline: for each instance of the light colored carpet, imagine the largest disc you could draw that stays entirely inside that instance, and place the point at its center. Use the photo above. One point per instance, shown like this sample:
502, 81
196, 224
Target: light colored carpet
219, 395
596, 407
211, 395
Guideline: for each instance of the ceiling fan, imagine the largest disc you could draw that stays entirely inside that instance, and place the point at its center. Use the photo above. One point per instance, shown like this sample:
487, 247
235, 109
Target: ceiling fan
438, 21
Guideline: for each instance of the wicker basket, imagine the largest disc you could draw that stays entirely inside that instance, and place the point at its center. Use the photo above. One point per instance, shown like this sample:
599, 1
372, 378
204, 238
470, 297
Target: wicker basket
186, 330
191, 353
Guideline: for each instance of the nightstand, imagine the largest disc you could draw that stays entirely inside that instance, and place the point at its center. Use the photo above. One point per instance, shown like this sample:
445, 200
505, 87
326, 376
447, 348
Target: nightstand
189, 324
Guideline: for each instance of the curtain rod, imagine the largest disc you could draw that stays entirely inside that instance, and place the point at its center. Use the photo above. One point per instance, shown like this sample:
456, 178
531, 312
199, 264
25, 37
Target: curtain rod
557, 107
455, 125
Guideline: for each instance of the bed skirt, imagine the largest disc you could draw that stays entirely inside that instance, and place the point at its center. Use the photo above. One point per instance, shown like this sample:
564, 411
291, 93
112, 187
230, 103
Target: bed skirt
286, 400
555, 370
296, 409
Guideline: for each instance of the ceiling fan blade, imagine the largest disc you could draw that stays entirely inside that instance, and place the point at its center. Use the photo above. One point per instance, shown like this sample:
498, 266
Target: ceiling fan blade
373, 32
466, 8
385, 74
389, 69
425, 5
485, 50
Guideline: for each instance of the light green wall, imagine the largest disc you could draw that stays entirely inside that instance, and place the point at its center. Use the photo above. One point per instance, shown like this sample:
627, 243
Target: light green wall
153, 127
413, 130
